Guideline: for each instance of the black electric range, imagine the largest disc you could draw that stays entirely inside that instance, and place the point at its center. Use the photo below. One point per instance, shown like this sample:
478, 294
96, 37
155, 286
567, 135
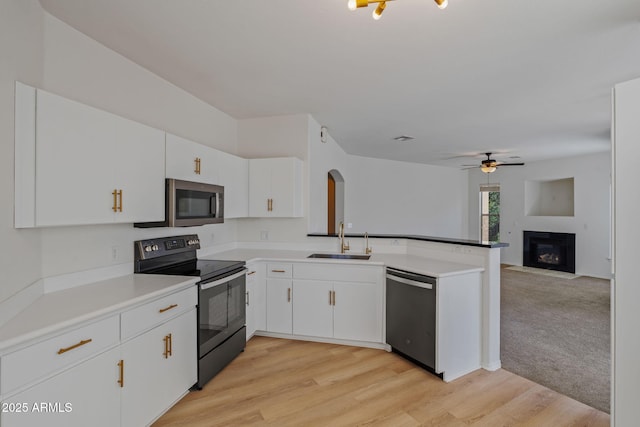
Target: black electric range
221, 296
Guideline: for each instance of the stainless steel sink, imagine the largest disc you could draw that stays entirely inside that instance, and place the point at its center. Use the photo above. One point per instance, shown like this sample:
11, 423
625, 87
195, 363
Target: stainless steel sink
340, 256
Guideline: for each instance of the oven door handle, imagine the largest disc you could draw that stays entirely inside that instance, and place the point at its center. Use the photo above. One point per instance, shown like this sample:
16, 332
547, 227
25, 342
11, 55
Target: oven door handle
204, 286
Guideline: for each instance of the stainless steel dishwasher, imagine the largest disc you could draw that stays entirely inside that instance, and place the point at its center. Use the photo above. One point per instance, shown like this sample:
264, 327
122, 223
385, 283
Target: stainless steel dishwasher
411, 316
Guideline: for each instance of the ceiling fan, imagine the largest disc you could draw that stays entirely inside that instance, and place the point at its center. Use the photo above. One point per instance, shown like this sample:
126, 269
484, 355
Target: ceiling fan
489, 165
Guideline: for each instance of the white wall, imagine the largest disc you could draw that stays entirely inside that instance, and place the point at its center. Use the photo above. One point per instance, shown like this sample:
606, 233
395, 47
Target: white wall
42, 51
387, 196
21, 58
625, 410
591, 218
325, 156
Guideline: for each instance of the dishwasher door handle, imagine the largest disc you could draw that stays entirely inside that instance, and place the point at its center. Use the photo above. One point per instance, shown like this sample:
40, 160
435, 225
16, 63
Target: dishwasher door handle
409, 282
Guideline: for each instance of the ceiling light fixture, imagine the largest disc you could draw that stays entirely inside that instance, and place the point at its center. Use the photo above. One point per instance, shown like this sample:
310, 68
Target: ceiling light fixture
378, 12
355, 4
488, 168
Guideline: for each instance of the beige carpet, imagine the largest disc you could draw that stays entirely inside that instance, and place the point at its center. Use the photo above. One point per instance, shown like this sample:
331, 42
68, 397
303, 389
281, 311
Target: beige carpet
542, 271
556, 332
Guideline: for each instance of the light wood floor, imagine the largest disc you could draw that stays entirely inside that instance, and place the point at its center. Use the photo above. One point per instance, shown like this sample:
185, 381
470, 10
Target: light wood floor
295, 383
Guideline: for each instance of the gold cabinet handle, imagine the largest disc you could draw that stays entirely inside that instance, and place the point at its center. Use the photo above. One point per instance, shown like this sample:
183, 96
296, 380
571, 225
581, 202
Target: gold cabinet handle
271, 205
247, 295
167, 346
330, 297
121, 378
197, 169
162, 310
81, 343
120, 199
115, 200
278, 271
288, 294
250, 273
170, 345
334, 297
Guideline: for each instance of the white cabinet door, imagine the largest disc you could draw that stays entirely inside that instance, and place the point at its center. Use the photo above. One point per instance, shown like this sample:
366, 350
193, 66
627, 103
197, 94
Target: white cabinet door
312, 308
279, 307
83, 155
139, 172
286, 187
85, 395
154, 377
75, 161
259, 187
275, 187
190, 161
234, 176
357, 311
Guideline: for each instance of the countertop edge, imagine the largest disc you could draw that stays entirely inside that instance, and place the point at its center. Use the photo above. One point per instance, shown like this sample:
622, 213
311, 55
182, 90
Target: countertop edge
24, 339
463, 242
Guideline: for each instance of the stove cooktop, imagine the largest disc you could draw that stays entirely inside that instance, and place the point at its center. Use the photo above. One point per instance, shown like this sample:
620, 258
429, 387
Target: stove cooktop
205, 268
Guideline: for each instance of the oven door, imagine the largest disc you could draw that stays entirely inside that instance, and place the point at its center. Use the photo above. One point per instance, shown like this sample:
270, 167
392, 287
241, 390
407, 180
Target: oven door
221, 310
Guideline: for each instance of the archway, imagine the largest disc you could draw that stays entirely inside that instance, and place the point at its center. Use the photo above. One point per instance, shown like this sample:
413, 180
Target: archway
335, 200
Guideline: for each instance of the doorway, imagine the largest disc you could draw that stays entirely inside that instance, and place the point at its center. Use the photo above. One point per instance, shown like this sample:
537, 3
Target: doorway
335, 200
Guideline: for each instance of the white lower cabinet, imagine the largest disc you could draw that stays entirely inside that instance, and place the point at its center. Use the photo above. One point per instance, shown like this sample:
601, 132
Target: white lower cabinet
358, 311
86, 395
312, 308
159, 366
256, 298
341, 310
279, 307
87, 376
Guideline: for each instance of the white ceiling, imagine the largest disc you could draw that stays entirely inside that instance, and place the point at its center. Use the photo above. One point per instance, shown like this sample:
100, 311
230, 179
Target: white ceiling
520, 78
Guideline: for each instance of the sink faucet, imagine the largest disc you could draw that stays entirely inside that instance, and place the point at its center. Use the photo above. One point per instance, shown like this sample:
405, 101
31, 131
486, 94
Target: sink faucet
343, 246
367, 249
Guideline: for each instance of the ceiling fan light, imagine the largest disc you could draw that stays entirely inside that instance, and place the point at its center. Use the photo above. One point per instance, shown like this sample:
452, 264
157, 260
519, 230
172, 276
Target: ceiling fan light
488, 168
442, 3
378, 12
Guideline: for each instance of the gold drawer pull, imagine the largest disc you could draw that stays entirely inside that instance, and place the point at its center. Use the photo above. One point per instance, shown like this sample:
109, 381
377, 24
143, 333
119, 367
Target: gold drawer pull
121, 379
162, 310
81, 343
278, 271
288, 294
250, 273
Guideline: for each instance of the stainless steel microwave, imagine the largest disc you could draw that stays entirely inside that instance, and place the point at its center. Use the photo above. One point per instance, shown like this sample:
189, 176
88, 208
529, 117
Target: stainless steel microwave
189, 204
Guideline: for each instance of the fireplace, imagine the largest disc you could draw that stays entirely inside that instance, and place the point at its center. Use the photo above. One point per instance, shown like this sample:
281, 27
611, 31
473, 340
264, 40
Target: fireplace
553, 251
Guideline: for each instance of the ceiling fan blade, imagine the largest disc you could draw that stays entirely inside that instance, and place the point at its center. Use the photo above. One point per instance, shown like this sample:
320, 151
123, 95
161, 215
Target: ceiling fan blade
510, 164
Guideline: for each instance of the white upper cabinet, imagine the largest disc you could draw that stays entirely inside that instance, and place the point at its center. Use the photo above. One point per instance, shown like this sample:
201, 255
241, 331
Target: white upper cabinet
90, 166
191, 161
275, 187
234, 177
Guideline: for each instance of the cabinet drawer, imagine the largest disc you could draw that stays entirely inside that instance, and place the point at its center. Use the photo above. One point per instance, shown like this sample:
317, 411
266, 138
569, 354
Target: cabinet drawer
338, 273
278, 269
155, 312
24, 366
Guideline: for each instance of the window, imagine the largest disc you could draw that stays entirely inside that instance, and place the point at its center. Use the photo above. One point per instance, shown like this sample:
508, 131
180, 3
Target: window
490, 212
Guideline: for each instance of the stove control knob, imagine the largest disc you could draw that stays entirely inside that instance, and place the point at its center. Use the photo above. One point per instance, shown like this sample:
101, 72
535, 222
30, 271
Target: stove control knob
155, 247
148, 248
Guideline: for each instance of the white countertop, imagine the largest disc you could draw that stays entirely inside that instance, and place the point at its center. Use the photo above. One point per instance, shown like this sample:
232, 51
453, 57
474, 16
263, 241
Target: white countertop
416, 264
57, 310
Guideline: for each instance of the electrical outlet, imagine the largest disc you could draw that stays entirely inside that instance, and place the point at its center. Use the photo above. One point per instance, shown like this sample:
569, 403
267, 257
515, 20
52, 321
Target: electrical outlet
115, 253
264, 235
